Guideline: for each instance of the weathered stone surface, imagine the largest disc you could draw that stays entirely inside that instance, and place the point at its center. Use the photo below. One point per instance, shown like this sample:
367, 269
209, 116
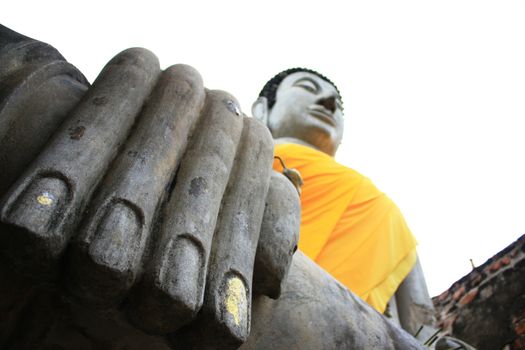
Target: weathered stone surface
317, 312
172, 289
279, 238
225, 318
40, 210
32, 73
107, 254
414, 305
314, 312
42, 317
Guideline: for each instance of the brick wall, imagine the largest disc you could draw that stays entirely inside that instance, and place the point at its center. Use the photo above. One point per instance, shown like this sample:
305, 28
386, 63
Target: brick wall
487, 307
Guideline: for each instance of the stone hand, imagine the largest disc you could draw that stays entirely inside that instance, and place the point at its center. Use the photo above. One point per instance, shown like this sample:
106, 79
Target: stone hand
152, 191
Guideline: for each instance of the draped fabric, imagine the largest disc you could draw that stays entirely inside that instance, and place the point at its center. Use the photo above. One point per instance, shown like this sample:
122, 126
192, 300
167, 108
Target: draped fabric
349, 227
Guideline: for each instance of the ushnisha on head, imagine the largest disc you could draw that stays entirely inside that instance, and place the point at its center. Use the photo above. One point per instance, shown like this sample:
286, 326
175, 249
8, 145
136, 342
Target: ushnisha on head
302, 106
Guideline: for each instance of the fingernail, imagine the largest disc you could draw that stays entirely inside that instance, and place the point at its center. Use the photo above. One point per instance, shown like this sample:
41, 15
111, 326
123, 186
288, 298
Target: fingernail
235, 305
182, 273
116, 242
38, 208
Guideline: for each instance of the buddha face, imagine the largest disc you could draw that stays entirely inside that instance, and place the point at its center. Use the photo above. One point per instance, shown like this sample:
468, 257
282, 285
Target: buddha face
307, 108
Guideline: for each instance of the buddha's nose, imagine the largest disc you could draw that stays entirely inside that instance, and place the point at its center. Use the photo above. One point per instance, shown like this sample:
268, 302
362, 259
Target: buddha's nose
328, 103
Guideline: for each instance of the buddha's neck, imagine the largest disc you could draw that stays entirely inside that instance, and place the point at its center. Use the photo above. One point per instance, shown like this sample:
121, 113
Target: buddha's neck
282, 140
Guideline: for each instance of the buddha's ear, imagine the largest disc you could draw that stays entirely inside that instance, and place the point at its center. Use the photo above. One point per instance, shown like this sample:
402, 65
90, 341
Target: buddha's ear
260, 109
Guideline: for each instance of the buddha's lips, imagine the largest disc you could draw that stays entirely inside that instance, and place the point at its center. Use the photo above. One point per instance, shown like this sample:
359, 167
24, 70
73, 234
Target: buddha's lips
322, 114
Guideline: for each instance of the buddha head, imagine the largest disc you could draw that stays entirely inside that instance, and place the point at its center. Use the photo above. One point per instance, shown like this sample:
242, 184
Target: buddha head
302, 106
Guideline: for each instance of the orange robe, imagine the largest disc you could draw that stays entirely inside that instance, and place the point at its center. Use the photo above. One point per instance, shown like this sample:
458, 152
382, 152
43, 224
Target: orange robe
348, 227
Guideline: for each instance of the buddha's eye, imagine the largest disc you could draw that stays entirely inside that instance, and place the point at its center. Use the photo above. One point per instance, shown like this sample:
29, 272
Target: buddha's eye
308, 85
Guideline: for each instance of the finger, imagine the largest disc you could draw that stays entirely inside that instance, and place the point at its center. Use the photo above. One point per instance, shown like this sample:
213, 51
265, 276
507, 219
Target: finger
172, 287
32, 74
41, 208
225, 319
106, 255
278, 238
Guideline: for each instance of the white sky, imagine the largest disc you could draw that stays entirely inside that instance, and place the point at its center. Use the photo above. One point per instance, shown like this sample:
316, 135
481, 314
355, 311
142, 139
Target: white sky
434, 92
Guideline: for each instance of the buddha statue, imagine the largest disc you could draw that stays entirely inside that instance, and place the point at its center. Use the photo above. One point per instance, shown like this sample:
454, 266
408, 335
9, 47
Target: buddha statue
142, 212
